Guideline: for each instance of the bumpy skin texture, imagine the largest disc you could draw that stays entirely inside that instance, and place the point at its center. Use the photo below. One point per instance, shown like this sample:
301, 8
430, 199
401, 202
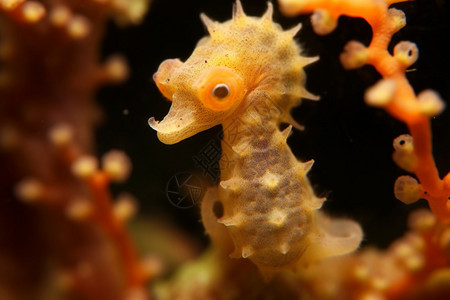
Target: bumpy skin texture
264, 207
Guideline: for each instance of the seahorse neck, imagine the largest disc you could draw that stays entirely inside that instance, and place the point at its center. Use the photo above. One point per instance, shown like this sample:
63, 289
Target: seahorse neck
250, 131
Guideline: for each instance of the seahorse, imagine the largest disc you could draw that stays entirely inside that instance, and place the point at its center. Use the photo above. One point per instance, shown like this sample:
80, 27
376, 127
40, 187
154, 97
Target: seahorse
247, 75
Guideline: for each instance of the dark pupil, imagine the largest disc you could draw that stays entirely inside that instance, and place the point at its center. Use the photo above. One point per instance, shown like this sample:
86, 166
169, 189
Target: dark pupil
220, 91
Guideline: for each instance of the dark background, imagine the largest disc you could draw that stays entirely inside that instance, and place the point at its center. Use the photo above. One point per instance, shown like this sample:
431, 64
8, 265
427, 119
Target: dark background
350, 142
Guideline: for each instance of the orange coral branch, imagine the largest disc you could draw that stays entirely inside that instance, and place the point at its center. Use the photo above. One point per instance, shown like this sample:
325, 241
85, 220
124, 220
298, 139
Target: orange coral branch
49, 72
98, 185
97, 181
393, 92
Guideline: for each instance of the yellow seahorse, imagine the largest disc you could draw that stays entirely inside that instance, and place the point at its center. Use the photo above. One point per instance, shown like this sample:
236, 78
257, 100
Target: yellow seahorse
247, 75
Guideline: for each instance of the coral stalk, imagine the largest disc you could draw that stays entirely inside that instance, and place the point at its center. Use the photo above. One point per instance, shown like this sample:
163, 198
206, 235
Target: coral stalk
49, 72
98, 185
393, 92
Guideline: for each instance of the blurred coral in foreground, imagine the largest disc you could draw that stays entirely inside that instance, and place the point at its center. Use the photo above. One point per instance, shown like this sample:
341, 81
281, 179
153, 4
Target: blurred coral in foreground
75, 243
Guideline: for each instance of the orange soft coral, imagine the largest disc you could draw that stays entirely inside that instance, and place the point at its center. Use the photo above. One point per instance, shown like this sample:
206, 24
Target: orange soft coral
393, 92
49, 71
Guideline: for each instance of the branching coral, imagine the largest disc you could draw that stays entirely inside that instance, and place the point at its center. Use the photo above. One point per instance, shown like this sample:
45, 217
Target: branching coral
393, 92
413, 267
50, 71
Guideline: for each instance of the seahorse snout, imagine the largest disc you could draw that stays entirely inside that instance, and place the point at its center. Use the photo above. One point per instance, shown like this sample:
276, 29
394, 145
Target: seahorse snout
176, 126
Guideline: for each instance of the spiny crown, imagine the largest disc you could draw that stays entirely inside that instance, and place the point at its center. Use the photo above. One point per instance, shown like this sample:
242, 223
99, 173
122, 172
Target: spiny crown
249, 41
241, 22
260, 49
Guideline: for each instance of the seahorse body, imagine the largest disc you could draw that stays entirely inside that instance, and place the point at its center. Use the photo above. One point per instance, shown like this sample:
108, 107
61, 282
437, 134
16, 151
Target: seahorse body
247, 75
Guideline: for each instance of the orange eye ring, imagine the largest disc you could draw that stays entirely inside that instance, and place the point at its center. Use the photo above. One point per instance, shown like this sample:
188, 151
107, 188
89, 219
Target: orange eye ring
219, 88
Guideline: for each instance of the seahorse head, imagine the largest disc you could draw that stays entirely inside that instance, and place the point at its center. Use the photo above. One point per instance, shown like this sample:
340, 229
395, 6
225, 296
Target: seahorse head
240, 58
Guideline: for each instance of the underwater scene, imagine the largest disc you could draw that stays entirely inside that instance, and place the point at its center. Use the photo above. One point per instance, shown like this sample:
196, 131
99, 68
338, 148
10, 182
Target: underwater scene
226, 149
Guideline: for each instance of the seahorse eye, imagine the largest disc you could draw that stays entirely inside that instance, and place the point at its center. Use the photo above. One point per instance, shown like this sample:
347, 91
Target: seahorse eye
221, 91
219, 88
